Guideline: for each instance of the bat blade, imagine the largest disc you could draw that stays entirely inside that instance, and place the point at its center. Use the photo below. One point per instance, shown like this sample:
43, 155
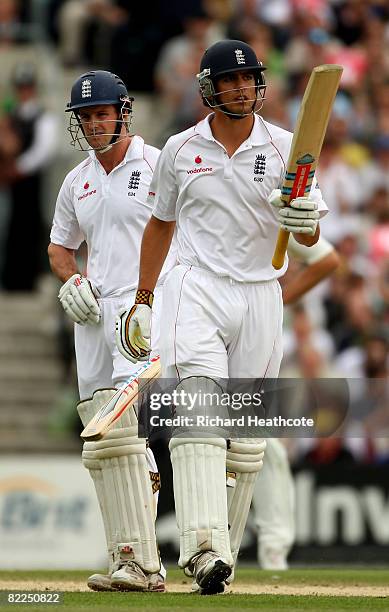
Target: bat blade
307, 142
124, 398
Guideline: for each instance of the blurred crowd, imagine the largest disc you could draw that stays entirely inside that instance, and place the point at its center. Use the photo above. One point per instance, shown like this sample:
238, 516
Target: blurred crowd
342, 327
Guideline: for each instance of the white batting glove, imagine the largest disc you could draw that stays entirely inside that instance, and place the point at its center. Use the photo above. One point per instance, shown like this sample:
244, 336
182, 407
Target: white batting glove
299, 217
79, 302
133, 328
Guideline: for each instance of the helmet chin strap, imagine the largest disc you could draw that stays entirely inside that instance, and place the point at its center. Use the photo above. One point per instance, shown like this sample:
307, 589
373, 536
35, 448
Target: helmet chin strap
238, 116
234, 116
107, 148
114, 138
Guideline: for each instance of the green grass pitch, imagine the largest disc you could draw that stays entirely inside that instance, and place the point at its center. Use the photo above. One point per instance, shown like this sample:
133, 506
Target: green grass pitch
298, 589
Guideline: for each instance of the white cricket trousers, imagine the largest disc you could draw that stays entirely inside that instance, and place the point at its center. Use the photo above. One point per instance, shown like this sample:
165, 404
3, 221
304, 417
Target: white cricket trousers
99, 363
216, 327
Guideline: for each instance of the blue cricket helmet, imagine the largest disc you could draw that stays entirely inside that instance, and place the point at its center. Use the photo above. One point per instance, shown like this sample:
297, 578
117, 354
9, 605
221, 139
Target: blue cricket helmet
96, 87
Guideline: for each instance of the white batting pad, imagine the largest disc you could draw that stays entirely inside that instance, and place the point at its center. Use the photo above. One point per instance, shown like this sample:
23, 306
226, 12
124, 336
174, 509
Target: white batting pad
86, 410
244, 461
120, 465
200, 497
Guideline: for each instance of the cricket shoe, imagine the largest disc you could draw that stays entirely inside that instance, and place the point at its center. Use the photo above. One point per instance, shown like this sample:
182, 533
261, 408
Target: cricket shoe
210, 571
103, 582
131, 577
100, 582
273, 557
156, 583
195, 588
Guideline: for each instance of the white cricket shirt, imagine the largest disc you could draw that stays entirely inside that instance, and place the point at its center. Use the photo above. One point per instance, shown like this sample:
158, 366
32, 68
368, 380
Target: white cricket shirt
109, 212
224, 221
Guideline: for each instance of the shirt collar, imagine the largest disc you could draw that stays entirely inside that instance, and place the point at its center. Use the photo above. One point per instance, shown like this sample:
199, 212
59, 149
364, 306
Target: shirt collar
259, 134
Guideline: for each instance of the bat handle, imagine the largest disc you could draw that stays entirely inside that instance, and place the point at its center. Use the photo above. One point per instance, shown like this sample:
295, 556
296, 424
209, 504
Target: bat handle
280, 250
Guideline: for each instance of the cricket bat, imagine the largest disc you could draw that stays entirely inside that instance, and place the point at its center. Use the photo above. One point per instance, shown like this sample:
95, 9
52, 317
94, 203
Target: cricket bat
124, 398
307, 141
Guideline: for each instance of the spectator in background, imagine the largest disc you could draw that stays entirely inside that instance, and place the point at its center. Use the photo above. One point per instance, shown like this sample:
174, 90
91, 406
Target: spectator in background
220, 11
29, 146
73, 18
366, 367
275, 15
9, 148
339, 184
310, 40
308, 350
376, 43
375, 174
383, 292
328, 451
378, 236
381, 105
262, 40
176, 68
10, 21
350, 312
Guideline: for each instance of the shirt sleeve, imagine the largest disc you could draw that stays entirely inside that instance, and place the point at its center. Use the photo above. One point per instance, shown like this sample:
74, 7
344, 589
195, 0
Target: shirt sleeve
65, 230
163, 192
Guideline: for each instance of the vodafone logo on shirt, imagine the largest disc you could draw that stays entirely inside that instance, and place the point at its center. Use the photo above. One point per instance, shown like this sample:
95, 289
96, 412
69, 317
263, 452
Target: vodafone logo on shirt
198, 160
199, 170
88, 193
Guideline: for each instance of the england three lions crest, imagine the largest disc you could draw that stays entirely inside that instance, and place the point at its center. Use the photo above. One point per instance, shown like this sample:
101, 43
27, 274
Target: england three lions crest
86, 88
259, 167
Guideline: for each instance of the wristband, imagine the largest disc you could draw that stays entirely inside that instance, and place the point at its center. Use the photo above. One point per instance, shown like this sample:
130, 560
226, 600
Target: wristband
144, 296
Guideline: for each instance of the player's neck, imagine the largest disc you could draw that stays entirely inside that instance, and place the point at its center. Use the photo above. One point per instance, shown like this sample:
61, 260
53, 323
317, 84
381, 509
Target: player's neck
231, 132
112, 158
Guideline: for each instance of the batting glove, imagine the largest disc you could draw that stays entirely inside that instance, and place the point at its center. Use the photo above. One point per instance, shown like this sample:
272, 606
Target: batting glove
133, 328
299, 217
79, 302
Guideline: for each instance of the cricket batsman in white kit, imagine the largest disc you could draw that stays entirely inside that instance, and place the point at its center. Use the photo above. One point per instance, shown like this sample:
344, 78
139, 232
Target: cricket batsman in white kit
218, 184
103, 201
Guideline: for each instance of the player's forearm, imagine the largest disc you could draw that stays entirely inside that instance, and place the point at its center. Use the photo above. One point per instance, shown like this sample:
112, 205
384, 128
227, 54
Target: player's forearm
156, 242
306, 239
309, 277
62, 261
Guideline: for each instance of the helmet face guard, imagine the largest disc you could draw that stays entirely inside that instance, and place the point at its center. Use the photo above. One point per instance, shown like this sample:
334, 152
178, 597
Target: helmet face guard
210, 96
226, 57
80, 141
98, 88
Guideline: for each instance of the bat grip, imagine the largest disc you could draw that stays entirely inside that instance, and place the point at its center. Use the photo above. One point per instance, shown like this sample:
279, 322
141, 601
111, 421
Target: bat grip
280, 250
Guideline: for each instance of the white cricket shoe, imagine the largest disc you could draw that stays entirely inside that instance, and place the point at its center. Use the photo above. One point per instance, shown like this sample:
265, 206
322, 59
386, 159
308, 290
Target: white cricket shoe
210, 571
273, 557
103, 582
100, 582
156, 583
129, 577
